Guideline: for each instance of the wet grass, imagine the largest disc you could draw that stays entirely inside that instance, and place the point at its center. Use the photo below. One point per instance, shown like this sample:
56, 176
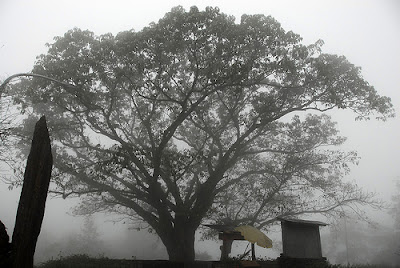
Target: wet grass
82, 260
360, 266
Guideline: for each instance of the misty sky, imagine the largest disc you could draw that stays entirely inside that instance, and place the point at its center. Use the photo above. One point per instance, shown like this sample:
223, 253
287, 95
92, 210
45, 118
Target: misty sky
367, 32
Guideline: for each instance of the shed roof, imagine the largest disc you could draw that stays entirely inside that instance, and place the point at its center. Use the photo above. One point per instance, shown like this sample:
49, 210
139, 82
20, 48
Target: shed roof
221, 227
319, 223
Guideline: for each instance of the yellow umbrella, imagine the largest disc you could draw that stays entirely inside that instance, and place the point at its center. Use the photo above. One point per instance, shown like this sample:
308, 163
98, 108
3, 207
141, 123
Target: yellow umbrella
254, 235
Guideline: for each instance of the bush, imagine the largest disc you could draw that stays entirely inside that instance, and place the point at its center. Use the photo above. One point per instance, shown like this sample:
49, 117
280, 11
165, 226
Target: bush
77, 260
358, 266
84, 260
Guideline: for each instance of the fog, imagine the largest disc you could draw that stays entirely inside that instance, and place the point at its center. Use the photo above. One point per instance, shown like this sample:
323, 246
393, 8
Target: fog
367, 32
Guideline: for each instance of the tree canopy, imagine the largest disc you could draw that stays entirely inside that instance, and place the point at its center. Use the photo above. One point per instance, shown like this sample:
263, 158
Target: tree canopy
197, 118
8, 119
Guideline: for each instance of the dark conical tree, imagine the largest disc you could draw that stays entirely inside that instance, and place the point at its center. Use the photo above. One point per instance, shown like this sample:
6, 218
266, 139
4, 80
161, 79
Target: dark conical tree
33, 197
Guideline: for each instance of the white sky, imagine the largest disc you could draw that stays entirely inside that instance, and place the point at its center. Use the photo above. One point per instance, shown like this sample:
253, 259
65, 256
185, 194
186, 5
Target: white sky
367, 32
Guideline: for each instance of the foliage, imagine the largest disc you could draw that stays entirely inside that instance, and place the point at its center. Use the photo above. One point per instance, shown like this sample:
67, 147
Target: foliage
86, 261
8, 121
395, 211
197, 118
361, 266
395, 208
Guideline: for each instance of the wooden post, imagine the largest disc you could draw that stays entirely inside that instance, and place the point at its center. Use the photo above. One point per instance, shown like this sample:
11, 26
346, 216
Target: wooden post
253, 252
33, 197
226, 249
227, 240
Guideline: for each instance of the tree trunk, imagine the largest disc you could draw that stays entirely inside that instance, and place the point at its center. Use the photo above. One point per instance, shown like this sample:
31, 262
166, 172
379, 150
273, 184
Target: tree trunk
180, 243
33, 197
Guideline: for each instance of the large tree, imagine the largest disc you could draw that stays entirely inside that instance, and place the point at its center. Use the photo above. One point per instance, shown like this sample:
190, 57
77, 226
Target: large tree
198, 118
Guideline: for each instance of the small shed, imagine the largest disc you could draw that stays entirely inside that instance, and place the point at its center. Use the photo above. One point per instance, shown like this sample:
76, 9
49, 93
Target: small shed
301, 238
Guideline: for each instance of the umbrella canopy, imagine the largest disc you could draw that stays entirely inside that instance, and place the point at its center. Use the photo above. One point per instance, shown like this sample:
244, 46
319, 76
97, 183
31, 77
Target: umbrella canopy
254, 235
